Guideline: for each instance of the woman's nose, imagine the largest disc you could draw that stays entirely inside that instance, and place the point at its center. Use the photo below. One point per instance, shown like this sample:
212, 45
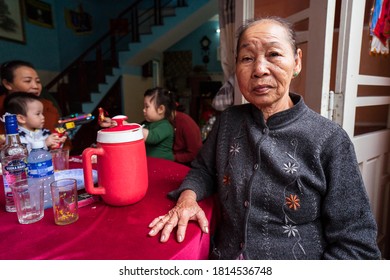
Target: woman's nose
34, 84
260, 68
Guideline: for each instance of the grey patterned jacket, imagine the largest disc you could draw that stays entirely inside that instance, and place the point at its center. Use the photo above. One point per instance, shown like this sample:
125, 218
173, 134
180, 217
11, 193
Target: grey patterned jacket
287, 189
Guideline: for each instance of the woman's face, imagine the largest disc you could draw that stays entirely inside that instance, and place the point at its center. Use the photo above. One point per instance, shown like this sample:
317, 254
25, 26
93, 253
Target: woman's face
25, 79
265, 66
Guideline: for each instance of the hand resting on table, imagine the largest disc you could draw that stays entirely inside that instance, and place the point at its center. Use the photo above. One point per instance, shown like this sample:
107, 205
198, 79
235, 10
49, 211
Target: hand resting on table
186, 209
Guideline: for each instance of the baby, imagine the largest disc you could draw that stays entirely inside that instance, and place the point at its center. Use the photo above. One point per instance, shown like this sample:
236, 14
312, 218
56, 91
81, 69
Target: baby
29, 112
158, 131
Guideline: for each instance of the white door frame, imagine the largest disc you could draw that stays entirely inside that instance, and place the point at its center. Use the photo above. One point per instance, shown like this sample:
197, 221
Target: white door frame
319, 52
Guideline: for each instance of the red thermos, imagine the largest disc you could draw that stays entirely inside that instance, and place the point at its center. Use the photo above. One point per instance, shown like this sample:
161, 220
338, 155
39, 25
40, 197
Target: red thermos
121, 164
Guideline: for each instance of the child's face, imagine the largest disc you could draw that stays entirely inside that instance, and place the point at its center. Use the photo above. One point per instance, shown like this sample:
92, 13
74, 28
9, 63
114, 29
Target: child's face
34, 118
151, 113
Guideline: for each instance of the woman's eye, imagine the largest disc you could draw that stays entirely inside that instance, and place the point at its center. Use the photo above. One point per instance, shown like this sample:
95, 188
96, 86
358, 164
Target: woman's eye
274, 54
246, 59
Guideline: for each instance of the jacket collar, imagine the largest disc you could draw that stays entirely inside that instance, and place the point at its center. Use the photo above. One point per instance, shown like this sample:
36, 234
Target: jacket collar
282, 118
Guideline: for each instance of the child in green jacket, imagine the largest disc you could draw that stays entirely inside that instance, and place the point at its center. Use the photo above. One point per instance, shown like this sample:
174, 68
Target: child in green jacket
158, 131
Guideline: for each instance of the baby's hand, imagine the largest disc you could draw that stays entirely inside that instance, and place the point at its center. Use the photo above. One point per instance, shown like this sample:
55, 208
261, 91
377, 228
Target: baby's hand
54, 141
107, 122
63, 138
145, 132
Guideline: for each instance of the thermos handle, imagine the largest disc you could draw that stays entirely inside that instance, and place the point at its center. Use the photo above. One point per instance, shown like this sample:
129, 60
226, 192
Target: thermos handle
87, 168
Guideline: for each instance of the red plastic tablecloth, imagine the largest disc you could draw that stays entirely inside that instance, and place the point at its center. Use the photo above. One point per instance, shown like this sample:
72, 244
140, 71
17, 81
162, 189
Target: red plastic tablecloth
106, 232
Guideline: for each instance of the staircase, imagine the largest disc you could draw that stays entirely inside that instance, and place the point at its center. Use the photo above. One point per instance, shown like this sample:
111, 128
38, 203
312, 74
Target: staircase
135, 37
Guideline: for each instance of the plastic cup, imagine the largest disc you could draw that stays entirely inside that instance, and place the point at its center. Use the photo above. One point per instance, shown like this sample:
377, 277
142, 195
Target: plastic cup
64, 196
29, 200
60, 159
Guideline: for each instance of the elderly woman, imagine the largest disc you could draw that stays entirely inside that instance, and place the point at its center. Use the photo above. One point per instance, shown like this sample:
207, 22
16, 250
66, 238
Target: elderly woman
287, 179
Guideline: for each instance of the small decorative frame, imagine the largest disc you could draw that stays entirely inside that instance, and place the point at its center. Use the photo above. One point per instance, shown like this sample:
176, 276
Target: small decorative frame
78, 20
11, 21
39, 13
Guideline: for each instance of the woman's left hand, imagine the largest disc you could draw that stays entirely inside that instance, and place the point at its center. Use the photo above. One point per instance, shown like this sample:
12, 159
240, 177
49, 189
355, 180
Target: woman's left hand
186, 209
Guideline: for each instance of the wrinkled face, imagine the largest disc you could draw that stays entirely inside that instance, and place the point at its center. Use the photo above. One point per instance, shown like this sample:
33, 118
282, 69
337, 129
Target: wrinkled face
265, 65
25, 79
34, 118
151, 113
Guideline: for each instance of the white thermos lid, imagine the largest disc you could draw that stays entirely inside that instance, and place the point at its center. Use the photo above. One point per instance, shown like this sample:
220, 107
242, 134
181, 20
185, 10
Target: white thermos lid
122, 133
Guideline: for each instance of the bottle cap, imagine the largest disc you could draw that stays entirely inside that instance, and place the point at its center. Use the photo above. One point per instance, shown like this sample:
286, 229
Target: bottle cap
37, 145
11, 124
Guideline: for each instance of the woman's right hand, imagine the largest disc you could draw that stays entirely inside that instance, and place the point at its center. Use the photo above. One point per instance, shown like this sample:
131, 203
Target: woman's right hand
186, 209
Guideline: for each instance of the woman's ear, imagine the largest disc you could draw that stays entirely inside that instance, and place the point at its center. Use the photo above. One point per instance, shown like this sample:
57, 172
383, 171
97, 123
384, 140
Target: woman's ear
6, 84
21, 119
298, 61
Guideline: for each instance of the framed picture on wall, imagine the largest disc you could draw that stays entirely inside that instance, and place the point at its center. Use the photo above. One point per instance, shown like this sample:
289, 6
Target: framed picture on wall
11, 21
39, 13
78, 20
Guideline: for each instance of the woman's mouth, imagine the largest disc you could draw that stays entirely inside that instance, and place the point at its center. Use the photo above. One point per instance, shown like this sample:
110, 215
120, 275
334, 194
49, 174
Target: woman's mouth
262, 89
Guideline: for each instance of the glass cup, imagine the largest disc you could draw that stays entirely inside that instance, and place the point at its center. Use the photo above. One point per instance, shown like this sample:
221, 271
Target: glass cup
60, 159
64, 196
28, 197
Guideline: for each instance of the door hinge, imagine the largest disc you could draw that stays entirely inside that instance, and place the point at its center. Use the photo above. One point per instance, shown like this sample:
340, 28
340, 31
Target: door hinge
337, 107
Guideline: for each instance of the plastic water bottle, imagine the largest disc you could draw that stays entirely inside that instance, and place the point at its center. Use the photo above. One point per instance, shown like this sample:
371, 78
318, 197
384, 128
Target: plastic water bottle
13, 160
40, 168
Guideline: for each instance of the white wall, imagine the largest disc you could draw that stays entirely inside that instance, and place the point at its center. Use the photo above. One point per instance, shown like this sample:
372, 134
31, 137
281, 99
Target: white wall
133, 88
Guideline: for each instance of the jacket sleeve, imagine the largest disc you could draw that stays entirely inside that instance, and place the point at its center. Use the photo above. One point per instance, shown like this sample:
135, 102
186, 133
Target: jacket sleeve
159, 133
349, 226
